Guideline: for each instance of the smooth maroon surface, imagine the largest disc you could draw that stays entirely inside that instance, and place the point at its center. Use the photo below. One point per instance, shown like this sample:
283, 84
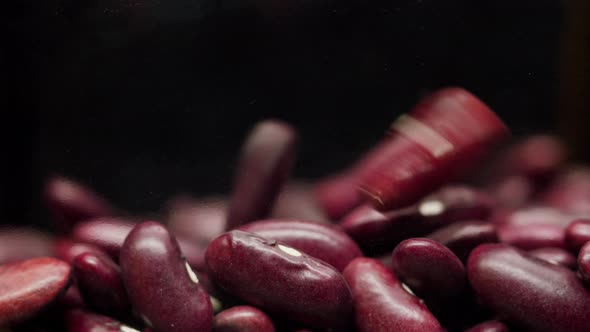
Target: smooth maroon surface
382, 304
557, 256
67, 250
83, 321
193, 252
338, 195
199, 220
71, 298
430, 269
158, 283
534, 215
461, 237
577, 234
265, 163
531, 237
242, 319
279, 279
23, 243
99, 281
571, 191
70, 202
297, 201
107, 233
377, 232
455, 130
489, 326
325, 242
584, 263
28, 286
529, 292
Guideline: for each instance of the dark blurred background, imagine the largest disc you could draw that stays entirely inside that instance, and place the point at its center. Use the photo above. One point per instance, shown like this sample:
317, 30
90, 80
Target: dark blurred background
145, 99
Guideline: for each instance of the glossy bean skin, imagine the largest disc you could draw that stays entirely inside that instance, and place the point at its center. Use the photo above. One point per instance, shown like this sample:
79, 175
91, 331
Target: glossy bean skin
199, 220
577, 234
107, 233
67, 250
83, 321
489, 326
430, 269
324, 242
462, 237
381, 302
377, 232
265, 163
531, 293
532, 236
160, 285
445, 134
242, 319
557, 256
29, 286
70, 203
100, 283
279, 279
23, 243
584, 263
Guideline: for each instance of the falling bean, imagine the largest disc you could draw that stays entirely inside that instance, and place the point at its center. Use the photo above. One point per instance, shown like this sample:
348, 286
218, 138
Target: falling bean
242, 319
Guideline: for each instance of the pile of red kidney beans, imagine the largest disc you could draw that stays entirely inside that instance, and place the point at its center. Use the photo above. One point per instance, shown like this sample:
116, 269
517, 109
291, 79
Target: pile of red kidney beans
392, 243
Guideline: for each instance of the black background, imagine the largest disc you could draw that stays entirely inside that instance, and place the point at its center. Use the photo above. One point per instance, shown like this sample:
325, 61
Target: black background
145, 101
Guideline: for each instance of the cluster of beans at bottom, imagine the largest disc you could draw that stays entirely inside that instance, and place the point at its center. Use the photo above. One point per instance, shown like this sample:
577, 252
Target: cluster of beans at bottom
398, 241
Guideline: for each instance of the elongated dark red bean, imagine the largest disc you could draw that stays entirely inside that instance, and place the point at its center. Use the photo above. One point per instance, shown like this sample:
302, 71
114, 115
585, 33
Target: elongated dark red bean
324, 242
70, 203
382, 304
571, 192
83, 321
28, 286
107, 233
279, 279
443, 135
242, 319
297, 201
532, 236
577, 234
531, 293
461, 237
557, 256
23, 243
377, 232
161, 286
489, 326
430, 269
100, 283
67, 250
265, 163
584, 263
199, 220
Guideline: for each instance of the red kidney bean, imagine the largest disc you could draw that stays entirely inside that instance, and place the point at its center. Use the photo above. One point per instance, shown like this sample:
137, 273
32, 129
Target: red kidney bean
532, 236
100, 283
461, 237
70, 203
382, 304
82, 321
338, 195
430, 269
199, 220
161, 286
489, 326
571, 192
556, 256
324, 242
584, 263
71, 299
577, 234
242, 319
279, 279
444, 135
67, 250
28, 286
107, 233
265, 163
296, 201
538, 215
377, 232
18, 244
533, 294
